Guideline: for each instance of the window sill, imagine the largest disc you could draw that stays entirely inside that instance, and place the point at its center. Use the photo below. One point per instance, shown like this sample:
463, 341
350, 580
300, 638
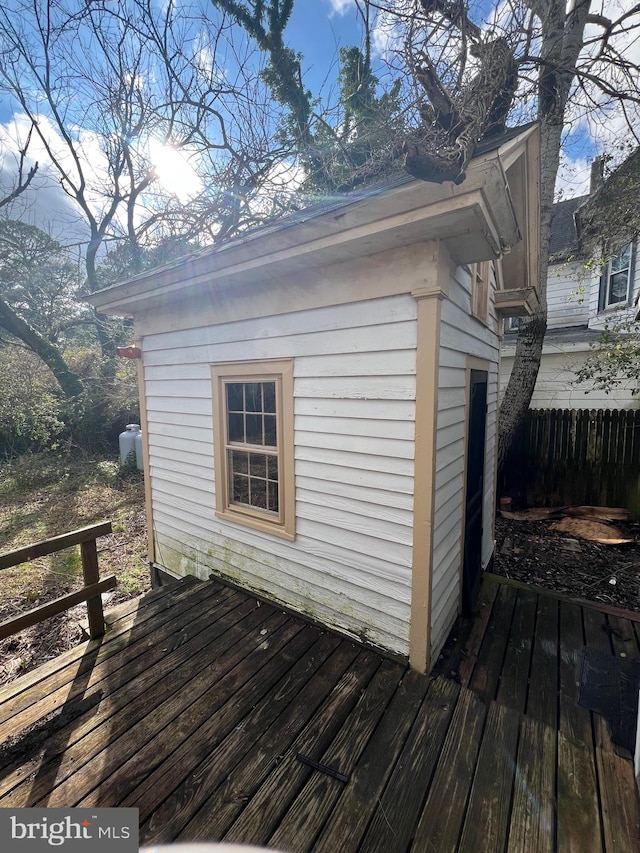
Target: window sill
254, 522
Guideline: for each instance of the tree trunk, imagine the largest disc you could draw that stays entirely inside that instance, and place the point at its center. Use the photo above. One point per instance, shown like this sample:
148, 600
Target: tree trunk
16, 326
531, 332
562, 40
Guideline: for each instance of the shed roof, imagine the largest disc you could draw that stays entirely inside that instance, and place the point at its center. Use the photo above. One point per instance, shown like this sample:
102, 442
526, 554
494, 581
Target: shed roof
392, 212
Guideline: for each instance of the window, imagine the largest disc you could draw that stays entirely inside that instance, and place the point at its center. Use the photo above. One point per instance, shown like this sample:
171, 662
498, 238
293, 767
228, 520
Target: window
615, 281
511, 324
480, 290
253, 428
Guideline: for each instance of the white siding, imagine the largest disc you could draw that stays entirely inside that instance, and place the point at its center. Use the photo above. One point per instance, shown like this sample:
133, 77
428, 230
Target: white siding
597, 319
354, 403
573, 296
556, 387
461, 336
568, 294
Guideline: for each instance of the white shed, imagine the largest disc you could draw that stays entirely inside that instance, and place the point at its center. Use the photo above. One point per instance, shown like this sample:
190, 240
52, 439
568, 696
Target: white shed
319, 398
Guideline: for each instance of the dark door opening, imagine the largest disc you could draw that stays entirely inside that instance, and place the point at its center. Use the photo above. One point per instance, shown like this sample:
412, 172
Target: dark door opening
476, 431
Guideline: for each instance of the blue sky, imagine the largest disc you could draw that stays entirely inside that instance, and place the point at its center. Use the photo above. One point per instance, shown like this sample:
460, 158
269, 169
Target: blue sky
318, 28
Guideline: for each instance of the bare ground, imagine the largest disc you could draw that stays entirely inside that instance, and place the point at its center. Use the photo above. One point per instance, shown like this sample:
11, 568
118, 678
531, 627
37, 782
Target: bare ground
530, 552
44, 497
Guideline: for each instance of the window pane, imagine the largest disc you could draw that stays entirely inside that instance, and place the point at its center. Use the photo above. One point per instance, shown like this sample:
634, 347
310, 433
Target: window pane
622, 261
239, 461
235, 426
270, 431
272, 496
234, 397
254, 429
240, 489
258, 493
269, 397
253, 396
618, 287
258, 465
272, 467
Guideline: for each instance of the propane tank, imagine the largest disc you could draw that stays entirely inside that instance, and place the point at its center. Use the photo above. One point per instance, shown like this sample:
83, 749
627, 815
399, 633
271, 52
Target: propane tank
138, 445
127, 442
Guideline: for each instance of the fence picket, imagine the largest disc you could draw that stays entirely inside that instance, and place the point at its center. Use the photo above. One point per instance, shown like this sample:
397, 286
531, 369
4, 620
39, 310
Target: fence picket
576, 456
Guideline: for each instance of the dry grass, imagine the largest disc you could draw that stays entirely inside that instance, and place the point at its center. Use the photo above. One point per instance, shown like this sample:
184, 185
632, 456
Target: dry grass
43, 496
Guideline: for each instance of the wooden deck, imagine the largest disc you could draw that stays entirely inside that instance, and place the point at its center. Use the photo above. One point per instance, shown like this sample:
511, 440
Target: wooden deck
219, 717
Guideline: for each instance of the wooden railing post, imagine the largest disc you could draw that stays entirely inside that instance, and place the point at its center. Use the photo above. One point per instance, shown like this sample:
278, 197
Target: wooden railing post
91, 574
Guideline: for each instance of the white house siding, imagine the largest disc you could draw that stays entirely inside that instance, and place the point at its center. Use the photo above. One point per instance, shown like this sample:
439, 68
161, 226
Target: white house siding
598, 319
461, 336
568, 294
556, 387
354, 393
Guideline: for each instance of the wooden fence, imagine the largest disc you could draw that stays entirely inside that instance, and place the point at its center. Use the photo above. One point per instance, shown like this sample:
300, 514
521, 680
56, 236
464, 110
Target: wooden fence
576, 456
91, 592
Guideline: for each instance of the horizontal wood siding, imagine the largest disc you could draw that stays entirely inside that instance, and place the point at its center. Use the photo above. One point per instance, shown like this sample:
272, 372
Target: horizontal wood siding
556, 386
568, 293
461, 336
354, 405
597, 318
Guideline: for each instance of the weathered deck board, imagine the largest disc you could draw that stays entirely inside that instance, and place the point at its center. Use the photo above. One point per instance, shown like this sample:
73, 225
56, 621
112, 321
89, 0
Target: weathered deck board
514, 677
578, 813
358, 801
262, 814
395, 820
99, 662
307, 814
196, 705
532, 827
443, 814
486, 673
202, 762
86, 735
221, 790
249, 673
542, 702
487, 819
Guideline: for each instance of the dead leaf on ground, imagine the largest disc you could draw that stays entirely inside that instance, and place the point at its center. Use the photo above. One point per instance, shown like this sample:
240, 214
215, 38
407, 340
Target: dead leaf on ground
536, 514
594, 531
601, 513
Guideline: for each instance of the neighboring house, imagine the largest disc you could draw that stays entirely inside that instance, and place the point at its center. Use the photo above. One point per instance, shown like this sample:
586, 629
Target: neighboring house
319, 398
581, 297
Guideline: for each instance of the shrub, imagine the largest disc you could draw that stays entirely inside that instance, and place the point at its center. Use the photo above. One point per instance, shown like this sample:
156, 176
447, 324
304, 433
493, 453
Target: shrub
31, 416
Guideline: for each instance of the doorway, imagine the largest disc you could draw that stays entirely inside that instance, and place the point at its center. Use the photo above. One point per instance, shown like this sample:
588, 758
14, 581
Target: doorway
476, 431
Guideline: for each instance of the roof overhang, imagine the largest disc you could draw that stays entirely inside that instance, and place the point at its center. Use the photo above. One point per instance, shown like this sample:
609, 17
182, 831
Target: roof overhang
477, 220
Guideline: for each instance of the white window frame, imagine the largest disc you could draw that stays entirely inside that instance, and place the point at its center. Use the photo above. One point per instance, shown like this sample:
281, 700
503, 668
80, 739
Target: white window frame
281, 522
607, 276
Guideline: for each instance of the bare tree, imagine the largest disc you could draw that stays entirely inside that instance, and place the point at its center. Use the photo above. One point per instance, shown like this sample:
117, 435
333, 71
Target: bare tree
24, 176
550, 60
37, 289
106, 86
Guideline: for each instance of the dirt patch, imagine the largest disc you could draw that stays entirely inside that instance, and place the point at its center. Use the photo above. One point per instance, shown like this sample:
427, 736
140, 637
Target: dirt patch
45, 497
533, 553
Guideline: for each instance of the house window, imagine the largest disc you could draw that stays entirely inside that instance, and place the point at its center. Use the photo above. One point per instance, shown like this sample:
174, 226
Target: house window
480, 290
615, 281
253, 429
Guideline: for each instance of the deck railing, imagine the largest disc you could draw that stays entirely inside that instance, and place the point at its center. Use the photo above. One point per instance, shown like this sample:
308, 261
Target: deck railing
91, 592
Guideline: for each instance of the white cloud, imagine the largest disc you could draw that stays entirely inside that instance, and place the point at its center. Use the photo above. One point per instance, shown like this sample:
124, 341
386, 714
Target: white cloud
44, 204
340, 7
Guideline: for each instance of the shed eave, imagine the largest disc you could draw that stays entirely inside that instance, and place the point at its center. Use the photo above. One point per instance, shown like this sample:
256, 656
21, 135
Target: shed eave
476, 220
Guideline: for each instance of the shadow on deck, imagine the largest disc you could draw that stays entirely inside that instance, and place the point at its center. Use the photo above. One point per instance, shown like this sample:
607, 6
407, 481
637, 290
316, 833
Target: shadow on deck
220, 717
